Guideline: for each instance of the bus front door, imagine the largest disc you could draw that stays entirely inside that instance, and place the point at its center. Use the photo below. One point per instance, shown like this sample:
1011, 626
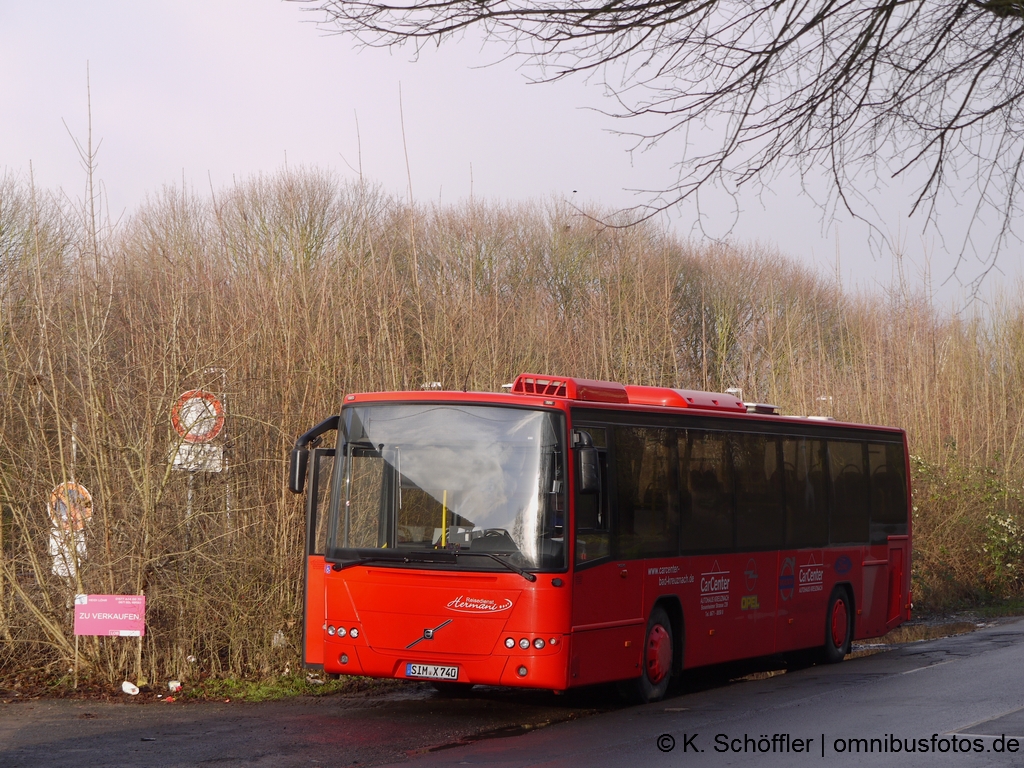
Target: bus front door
314, 610
608, 622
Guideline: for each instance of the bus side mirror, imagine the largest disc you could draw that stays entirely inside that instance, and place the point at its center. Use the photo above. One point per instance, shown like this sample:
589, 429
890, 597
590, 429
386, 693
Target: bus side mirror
297, 469
590, 474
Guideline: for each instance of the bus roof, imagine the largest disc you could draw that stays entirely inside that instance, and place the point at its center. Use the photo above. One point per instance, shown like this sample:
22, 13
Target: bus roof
542, 390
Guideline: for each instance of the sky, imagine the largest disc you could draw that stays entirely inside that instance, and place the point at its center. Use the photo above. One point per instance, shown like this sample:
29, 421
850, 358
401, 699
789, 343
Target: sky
209, 92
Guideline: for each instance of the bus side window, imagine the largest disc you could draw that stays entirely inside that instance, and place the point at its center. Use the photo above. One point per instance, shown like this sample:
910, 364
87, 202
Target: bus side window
647, 493
804, 485
759, 513
592, 521
888, 491
324, 476
850, 519
706, 516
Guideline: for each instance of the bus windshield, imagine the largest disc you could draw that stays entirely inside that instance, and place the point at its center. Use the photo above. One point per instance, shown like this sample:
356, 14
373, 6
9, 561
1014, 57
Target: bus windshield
477, 487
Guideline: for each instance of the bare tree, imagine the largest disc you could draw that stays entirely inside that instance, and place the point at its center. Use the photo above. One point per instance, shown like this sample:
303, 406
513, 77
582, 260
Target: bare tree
861, 91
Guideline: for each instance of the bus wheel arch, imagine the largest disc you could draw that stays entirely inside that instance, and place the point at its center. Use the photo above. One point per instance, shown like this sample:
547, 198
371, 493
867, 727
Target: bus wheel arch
657, 660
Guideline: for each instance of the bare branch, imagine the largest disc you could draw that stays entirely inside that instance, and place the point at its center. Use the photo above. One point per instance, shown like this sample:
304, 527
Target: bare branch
848, 89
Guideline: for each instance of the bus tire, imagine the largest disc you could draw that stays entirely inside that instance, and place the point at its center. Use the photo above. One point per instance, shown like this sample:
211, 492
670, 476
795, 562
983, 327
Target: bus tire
838, 627
656, 661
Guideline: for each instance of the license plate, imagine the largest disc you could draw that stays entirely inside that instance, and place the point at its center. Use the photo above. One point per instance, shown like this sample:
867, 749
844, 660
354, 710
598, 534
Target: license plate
432, 671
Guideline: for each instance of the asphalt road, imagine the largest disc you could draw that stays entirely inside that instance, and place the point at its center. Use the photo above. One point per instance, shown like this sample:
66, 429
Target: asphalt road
331, 730
969, 687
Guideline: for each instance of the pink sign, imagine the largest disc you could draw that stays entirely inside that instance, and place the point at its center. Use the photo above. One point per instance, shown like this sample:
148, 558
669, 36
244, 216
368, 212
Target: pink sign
117, 615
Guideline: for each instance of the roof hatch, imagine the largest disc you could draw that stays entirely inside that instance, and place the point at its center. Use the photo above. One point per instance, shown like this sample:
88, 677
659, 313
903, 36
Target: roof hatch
612, 392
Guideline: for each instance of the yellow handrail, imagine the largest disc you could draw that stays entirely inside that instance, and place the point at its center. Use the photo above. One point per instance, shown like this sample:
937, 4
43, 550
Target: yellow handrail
444, 518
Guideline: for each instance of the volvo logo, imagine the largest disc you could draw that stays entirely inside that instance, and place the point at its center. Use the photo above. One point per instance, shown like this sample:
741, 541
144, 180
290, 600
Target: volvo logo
428, 634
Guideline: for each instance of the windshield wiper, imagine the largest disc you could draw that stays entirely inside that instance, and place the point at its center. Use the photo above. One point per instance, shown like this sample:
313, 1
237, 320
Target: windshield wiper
511, 566
398, 557
340, 566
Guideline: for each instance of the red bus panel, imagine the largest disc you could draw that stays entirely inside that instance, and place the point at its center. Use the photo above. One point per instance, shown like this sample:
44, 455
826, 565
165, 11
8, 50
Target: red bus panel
313, 653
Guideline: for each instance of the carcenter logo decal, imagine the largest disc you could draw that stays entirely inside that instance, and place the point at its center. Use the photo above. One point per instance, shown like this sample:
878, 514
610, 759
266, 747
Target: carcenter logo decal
464, 604
810, 577
714, 591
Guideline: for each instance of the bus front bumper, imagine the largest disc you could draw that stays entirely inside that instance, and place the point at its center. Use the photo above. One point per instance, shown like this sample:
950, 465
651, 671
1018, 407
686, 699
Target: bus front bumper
526, 668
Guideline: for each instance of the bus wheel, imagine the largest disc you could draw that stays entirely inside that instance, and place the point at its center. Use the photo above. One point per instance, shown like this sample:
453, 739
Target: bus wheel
656, 661
452, 690
838, 627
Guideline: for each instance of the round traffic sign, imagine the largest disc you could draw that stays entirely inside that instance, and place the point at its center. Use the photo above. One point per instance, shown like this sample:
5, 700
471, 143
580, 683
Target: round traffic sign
198, 416
70, 506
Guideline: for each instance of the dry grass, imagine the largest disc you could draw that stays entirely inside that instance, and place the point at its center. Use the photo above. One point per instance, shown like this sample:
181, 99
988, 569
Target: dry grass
912, 633
283, 293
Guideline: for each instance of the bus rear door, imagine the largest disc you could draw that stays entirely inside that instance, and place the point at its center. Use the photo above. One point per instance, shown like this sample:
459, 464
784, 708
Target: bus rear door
897, 608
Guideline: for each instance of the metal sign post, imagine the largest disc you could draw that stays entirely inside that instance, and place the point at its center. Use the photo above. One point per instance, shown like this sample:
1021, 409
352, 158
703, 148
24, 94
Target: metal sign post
198, 417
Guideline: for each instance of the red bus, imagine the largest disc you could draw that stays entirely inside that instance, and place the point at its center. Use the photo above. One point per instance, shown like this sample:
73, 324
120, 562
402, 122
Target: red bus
572, 532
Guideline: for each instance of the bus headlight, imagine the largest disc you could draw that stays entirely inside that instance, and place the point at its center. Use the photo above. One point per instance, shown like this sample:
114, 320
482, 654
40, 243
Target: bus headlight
538, 643
510, 642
